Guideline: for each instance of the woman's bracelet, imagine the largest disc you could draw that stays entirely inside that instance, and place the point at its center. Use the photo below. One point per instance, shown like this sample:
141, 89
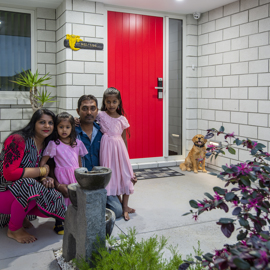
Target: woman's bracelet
43, 179
42, 171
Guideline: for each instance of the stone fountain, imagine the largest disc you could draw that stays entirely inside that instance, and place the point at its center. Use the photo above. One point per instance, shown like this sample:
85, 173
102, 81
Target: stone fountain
87, 219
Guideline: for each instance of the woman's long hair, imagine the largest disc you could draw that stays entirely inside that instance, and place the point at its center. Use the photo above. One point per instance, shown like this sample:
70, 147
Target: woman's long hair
111, 91
29, 131
73, 134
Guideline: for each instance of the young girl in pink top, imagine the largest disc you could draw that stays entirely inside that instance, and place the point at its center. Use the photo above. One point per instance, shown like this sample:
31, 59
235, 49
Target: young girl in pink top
66, 151
113, 148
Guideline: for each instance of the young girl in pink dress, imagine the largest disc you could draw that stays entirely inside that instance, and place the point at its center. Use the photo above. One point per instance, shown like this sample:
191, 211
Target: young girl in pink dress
113, 148
67, 152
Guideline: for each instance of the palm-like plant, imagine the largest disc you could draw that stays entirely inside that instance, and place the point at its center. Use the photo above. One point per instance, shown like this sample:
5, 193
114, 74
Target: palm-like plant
28, 79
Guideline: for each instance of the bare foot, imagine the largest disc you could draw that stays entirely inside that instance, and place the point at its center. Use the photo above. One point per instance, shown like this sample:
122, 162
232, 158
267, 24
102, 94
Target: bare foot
131, 210
126, 216
27, 224
128, 209
125, 213
21, 236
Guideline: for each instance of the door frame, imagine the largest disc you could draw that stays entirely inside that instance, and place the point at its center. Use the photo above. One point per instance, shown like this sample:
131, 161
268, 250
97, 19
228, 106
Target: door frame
166, 17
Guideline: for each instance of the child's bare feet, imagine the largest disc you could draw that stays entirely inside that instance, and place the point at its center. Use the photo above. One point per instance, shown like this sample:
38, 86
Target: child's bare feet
21, 236
128, 209
131, 210
27, 224
125, 213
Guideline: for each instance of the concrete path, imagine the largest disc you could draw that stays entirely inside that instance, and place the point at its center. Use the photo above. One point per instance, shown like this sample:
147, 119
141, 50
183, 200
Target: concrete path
159, 205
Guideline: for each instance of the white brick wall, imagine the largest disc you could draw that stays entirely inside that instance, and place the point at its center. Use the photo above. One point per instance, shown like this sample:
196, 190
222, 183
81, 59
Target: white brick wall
79, 72
240, 52
46, 56
192, 83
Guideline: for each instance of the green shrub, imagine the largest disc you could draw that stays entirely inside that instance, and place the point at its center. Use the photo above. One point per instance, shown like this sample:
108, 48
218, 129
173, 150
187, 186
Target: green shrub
128, 254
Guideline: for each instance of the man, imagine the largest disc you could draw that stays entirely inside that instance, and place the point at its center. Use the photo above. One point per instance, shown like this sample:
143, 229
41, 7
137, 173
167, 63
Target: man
89, 133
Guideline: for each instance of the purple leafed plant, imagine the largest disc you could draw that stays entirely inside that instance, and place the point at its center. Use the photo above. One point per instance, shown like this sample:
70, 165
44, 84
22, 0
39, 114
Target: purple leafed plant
247, 190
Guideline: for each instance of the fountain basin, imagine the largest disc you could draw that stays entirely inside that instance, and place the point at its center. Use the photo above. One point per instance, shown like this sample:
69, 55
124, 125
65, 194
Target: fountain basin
98, 178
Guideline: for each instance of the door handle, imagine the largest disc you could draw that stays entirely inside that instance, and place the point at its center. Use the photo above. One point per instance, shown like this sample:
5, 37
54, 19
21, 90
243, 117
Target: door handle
159, 88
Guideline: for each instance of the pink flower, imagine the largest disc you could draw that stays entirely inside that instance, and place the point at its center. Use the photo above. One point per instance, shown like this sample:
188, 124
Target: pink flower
217, 197
243, 168
244, 243
263, 257
200, 205
235, 203
211, 147
195, 217
254, 144
229, 135
253, 203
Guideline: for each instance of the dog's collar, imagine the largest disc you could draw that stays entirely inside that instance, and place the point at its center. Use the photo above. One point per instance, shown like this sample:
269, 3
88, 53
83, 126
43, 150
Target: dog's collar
199, 145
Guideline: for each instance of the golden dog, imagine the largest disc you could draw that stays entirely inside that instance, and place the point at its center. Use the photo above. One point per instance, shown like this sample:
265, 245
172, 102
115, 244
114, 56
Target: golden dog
196, 156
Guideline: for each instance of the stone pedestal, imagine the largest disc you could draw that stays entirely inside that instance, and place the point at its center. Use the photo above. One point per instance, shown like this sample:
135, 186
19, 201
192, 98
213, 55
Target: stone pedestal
84, 225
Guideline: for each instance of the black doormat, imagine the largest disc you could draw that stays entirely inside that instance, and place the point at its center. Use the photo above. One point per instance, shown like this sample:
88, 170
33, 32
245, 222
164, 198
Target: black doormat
143, 174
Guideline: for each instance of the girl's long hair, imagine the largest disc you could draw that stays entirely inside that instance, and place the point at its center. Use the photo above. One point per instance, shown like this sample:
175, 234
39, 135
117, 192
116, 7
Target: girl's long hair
73, 135
29, 131
111, 91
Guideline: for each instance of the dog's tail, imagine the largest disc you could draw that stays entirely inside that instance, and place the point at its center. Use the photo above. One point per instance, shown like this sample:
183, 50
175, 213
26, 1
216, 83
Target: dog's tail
183, 166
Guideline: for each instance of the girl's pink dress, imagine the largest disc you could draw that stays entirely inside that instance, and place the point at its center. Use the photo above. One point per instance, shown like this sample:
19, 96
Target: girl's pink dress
66, 160
114, 154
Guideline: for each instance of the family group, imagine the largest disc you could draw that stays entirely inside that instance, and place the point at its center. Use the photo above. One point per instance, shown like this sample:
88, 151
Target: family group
37, 163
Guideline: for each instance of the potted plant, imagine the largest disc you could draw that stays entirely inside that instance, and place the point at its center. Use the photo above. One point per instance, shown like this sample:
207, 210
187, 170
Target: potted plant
30, 80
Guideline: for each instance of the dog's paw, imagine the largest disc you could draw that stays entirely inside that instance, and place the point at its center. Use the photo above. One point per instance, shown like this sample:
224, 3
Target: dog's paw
195, 171
204, 171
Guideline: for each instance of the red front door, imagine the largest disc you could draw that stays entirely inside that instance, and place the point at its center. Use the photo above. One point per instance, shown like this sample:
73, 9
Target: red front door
135, 61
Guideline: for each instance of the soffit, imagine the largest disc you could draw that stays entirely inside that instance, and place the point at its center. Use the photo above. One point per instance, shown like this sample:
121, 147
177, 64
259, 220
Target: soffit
171, 6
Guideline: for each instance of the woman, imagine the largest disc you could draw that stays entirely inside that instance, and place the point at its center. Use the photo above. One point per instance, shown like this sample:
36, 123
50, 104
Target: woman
20, 193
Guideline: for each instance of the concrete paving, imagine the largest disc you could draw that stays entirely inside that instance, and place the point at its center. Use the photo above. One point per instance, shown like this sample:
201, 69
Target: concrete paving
159, 203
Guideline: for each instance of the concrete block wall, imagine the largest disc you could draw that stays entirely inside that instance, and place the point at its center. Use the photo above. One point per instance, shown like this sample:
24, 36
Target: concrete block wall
46, 44
79, 72
233, 73
191, 91
46, 50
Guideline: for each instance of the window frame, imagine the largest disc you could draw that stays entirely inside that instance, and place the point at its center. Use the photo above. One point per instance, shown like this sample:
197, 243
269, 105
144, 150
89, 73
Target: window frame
19, 94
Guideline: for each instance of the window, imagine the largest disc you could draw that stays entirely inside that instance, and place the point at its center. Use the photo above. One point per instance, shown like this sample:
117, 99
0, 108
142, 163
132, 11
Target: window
175, 86
15, 48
